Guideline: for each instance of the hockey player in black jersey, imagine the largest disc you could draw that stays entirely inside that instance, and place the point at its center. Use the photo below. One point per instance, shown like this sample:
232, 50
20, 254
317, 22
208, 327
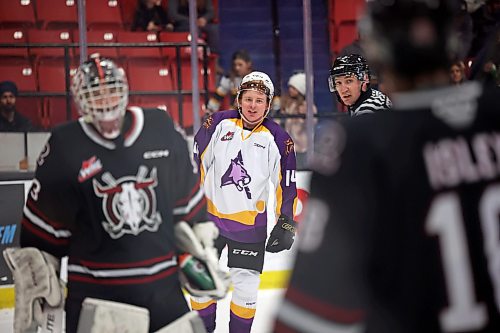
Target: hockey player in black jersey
349, 79
402, 226
109, 190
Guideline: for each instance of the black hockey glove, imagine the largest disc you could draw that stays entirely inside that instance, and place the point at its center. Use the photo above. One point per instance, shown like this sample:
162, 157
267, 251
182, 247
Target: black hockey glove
282, 236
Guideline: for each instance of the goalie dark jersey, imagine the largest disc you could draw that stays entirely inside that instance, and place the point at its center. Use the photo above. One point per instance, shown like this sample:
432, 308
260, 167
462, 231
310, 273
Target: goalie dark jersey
402, 230
111, 206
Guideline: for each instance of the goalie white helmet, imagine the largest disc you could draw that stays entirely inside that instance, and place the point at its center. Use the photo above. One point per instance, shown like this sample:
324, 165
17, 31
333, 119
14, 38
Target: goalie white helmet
257, 81
100, 90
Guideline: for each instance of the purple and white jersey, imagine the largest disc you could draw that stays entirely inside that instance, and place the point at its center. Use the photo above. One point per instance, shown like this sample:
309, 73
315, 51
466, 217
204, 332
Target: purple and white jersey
235, 167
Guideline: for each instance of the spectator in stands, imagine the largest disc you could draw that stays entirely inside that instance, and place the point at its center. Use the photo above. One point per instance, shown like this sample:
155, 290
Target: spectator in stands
485, 66
151, 16
294, 103
178, 12
229, 83
10, 119
457, 72
485, 20
241, 65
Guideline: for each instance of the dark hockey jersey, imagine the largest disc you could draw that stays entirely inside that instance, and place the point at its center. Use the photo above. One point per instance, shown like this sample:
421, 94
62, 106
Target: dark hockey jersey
402, 230
111, 207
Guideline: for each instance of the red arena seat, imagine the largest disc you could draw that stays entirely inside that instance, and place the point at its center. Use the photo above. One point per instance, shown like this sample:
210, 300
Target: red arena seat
103, 14
13, 36
17, 13
54, 14
138, 37
60, 36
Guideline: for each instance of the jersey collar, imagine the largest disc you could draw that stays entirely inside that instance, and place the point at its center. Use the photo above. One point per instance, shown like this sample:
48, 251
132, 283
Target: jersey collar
133, 132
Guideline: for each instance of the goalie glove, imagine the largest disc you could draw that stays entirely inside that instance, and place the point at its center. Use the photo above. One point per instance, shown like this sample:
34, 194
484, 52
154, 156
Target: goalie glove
38, 288
282, 236
200, 274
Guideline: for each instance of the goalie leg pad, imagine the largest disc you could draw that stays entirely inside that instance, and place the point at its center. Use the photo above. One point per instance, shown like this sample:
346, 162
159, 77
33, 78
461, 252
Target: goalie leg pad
100, 316
36, 284
188, 323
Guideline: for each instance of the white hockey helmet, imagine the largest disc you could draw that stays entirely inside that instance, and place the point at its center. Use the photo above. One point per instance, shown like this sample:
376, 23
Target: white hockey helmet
257, 81
100, 90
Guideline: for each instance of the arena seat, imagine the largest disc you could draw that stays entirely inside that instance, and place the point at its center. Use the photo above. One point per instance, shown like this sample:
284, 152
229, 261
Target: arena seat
17, 14
138, 37
176, 37
13, 36
60, 36
105, 36
54, 111
30, 107
51, 75
103, 14
22, 73
149, 75
186, 81
55, 14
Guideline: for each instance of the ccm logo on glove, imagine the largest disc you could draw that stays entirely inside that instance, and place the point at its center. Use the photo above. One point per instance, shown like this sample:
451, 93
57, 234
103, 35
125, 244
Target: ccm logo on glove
282, 236
289, 227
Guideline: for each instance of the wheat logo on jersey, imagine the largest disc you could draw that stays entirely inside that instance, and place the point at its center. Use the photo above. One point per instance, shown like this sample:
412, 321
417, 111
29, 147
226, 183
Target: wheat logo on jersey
237, 175
229, 136
43, 155
89, 168
129, 203
288, 146
208, 122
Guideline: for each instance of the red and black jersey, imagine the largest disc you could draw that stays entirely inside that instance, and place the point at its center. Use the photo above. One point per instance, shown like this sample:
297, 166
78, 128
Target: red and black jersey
402, 230
111, 205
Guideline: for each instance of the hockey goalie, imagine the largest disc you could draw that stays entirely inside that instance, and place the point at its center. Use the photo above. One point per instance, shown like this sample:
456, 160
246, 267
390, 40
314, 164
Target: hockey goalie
115, 192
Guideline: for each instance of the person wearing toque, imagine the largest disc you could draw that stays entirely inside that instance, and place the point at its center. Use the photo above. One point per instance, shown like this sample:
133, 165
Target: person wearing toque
10, 119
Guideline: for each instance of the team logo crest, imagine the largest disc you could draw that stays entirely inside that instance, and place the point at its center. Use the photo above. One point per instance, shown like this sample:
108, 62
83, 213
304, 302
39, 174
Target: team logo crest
129, 203
237, 175
229, 136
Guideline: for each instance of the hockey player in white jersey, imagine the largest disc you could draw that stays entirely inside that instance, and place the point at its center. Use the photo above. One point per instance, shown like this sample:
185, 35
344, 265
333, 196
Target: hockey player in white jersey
238, 152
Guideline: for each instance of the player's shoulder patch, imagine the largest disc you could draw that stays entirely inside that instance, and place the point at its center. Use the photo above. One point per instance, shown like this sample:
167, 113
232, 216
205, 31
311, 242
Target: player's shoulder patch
214, 119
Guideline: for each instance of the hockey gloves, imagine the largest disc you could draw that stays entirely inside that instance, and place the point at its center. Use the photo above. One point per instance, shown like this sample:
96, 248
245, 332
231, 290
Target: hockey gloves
200, 273
282, 236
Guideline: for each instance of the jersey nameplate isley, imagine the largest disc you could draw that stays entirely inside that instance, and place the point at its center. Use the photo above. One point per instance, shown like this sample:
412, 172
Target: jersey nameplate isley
450, 162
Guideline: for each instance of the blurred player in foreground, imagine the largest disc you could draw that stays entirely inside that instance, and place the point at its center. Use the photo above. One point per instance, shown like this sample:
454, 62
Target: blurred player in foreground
402, 230
109, 191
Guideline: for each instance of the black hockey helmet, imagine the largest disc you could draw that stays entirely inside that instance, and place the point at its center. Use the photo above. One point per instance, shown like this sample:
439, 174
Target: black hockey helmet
410, 36
100, 90
352, 64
